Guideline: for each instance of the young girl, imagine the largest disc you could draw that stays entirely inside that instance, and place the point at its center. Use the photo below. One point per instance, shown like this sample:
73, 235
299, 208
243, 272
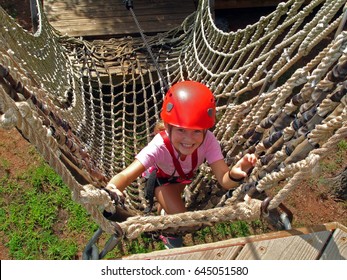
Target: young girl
188, 112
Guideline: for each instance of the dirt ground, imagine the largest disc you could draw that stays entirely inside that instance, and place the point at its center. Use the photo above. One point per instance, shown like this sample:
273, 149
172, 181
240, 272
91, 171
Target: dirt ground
311, 203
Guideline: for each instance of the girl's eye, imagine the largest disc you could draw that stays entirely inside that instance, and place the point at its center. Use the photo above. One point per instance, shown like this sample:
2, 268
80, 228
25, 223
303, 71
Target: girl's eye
197, 131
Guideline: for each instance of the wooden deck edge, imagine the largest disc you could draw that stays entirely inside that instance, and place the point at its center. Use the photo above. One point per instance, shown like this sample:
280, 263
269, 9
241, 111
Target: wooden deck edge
241, 241
341, 226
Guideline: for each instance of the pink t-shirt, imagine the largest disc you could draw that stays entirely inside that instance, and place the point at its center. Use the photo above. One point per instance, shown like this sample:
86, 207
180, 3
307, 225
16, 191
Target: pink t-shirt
156, 154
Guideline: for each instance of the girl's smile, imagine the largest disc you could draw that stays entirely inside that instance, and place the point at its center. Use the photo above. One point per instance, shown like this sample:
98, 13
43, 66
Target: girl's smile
186, 141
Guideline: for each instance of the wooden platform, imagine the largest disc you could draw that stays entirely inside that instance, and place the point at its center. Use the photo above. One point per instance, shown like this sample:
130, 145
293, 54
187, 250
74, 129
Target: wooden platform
324, 242
110, 18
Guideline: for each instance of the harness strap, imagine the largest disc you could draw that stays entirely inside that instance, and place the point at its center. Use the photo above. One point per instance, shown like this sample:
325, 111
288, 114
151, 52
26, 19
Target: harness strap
176, 163
157, 176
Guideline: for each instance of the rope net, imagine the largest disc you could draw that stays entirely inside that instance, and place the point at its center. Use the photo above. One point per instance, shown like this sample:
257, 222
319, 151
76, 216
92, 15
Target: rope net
89, 107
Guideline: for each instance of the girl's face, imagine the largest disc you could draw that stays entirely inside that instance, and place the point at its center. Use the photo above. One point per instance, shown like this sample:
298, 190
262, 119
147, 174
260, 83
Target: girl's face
185, 141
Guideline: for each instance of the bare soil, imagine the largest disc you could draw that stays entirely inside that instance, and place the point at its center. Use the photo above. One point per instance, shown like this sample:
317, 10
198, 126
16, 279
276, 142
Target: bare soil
312, 203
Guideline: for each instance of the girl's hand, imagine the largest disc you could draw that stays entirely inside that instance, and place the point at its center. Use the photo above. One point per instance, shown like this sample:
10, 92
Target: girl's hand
243, 166
115, 193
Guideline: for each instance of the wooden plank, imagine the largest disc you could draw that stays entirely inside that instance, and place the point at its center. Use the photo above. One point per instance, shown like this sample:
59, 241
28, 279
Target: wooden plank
301, 243
105, 21
118, 16
302, 247
337, 247
94, 28
203, 253
111, 18
215, 251
147, 8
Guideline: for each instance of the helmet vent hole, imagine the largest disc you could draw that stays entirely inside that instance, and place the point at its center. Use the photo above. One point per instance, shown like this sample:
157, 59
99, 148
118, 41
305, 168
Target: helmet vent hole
169, 107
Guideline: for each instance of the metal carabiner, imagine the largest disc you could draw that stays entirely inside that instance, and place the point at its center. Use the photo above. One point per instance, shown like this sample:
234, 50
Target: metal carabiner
286, 221
91, 251
110, 244
264, 207
279, 220
286, 216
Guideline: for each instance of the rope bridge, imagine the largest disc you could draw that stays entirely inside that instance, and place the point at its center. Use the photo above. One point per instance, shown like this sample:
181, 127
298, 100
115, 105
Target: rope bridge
89, 107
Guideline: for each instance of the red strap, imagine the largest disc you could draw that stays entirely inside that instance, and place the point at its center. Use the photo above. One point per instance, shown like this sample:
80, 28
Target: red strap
178, 166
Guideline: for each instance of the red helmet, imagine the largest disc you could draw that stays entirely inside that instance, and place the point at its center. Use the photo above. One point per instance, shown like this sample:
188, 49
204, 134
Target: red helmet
189, 104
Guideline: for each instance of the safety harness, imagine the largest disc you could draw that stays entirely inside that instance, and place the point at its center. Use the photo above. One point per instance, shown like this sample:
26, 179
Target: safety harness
159, 177
178, 167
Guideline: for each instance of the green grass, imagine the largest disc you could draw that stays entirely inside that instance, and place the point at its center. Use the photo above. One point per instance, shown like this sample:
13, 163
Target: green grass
330, 167
341, 149
39, 220
4, 163
30, 216
342, 145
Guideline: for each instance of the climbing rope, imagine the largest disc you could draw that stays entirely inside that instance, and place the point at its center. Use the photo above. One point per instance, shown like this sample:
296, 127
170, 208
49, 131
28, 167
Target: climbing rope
129, 5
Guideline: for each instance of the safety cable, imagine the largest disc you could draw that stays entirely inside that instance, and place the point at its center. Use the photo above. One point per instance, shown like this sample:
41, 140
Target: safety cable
129, 5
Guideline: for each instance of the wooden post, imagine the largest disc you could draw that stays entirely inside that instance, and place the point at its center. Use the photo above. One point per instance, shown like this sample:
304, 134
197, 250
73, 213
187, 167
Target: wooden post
34, 15
212, 8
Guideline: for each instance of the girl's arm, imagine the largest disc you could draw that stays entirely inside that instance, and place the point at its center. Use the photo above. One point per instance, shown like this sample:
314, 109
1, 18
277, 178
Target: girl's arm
119, 182
228, 178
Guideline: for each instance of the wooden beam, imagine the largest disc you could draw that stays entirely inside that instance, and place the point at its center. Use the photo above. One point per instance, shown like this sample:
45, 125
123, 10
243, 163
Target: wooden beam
109, 18
231, 248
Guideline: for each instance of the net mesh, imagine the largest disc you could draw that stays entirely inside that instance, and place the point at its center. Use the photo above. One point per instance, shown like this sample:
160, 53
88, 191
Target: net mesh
90, 107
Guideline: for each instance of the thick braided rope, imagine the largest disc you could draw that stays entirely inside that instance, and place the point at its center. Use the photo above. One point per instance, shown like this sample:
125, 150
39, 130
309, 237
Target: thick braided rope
133, 227
281, 155
337, 128
334, 124
307, 166
30, 126
21, 115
